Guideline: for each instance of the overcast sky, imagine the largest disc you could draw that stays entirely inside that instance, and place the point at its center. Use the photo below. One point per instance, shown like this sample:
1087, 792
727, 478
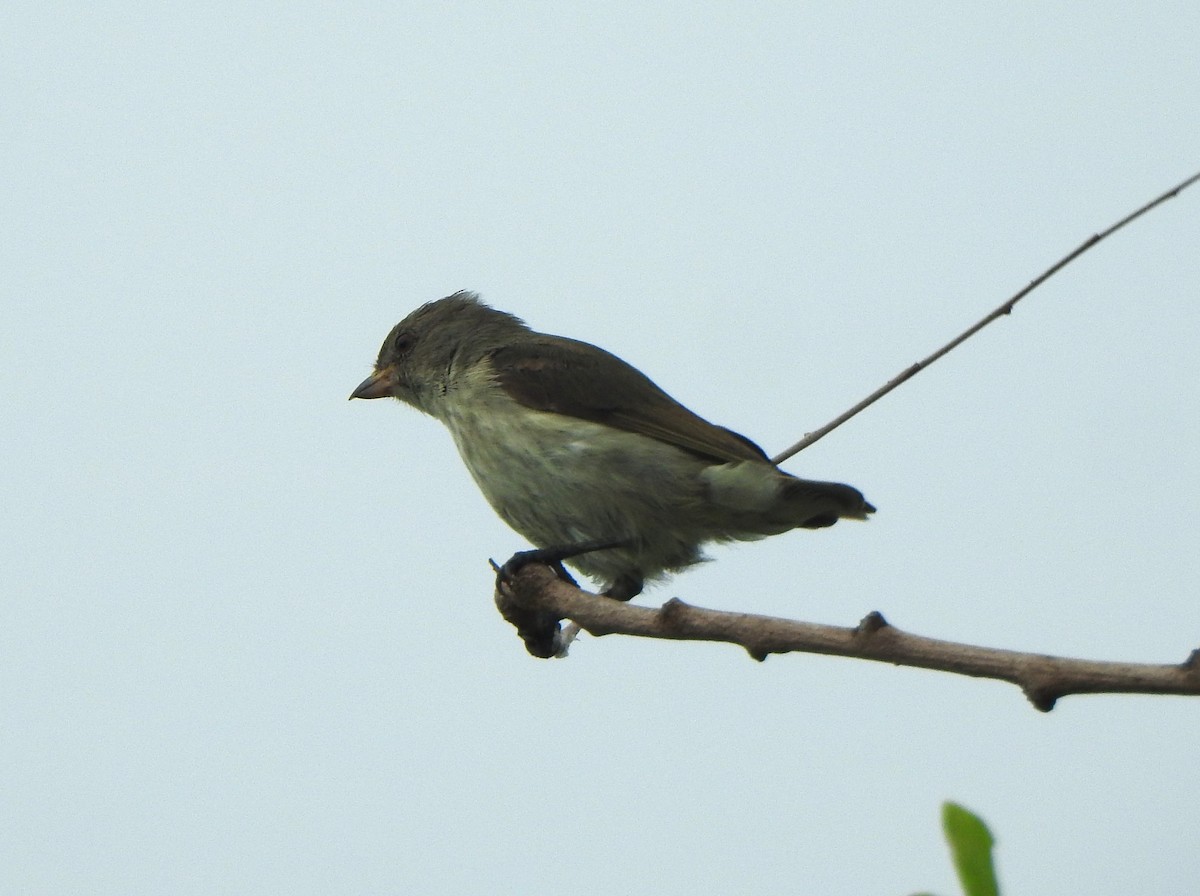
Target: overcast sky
247, 641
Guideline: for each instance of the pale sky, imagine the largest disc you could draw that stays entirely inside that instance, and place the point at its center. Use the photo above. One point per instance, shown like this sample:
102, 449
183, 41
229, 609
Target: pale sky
247, 640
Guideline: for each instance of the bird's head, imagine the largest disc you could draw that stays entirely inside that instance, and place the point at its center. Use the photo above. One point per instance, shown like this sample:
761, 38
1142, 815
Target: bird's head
418, 356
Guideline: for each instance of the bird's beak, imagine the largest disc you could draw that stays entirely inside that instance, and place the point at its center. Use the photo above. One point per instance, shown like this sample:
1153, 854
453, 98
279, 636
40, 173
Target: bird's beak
377, 385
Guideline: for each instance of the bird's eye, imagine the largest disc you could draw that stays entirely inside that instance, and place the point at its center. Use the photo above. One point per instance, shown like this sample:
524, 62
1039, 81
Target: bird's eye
403, 342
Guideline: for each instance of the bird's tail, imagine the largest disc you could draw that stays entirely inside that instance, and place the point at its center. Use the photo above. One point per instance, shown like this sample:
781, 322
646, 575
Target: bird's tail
758, 499
815, 505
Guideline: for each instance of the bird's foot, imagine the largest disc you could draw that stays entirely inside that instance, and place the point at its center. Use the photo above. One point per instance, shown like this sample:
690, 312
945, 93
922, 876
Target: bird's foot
542, 632
518, 561
624, 588
552, 557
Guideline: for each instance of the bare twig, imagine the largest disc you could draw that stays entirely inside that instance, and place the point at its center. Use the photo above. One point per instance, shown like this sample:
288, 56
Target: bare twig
1004, 309
540, 594
535, 600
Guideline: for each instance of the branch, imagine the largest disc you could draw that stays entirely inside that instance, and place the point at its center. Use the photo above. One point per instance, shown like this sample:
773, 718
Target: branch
535, 600
962, 337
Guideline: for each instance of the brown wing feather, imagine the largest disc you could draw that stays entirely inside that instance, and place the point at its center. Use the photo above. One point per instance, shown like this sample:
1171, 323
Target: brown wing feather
580, 380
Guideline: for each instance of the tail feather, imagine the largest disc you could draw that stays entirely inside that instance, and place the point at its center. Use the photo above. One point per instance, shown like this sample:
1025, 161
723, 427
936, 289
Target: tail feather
757, 499
815, 505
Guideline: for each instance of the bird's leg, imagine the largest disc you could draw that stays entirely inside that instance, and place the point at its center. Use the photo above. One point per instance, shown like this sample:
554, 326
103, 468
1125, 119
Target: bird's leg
624, 588
542, 633
554, 557
627, 587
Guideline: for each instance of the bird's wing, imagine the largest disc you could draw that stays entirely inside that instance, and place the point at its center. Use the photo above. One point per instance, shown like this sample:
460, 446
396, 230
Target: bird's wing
577, 379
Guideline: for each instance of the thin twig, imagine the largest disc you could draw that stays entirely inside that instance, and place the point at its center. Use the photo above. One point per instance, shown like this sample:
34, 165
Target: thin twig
1044, 679
1004, 309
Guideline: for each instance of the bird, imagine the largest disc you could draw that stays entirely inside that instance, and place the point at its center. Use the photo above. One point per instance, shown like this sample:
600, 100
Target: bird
583, 455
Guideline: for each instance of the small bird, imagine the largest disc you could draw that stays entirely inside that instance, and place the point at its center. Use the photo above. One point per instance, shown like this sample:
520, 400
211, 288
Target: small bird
583, 455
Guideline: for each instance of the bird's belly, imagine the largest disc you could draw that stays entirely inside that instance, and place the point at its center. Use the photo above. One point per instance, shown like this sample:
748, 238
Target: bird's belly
560, 480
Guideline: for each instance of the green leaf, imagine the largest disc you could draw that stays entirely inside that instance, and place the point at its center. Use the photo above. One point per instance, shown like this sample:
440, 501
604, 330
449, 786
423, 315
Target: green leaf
971, 848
